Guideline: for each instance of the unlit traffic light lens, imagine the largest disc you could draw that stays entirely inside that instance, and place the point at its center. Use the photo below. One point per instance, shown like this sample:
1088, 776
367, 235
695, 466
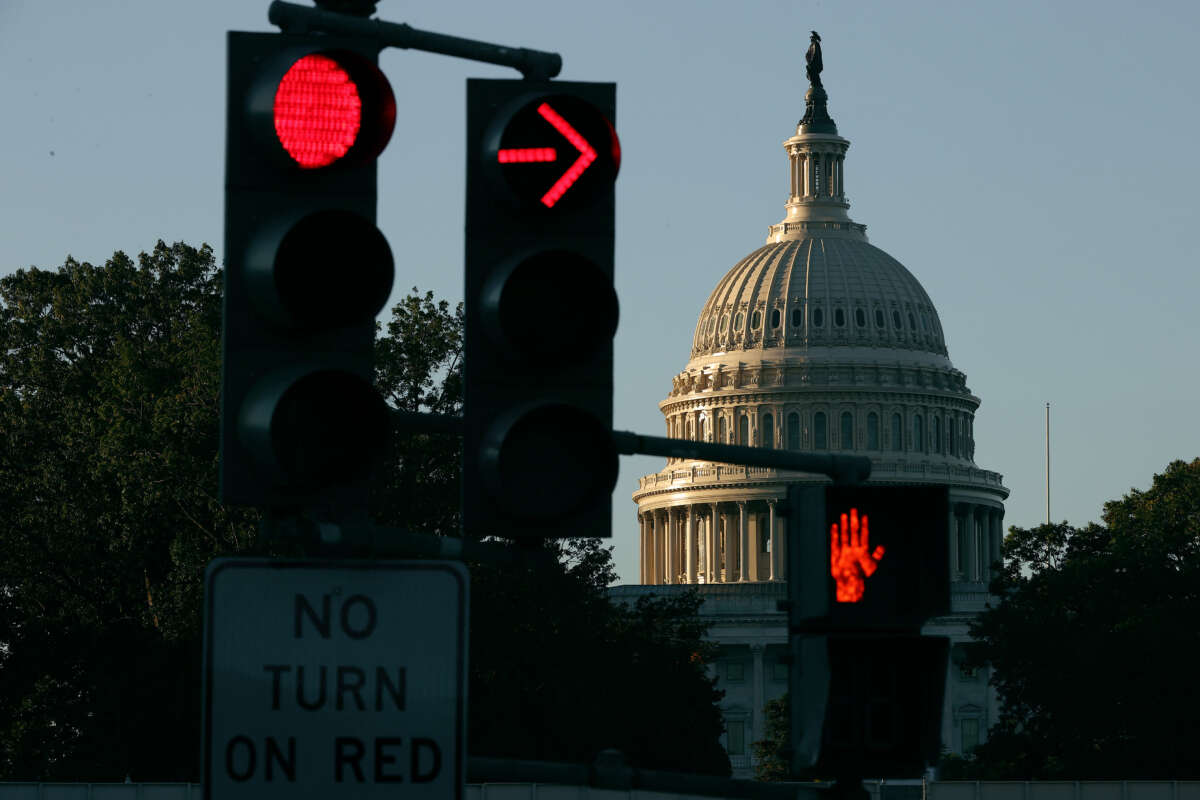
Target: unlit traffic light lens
555, 303
328, 427
549, 462
333, 268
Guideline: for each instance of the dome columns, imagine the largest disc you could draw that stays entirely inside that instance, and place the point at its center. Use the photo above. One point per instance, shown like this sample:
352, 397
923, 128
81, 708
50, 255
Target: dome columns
735, 541
976, 533
816, 168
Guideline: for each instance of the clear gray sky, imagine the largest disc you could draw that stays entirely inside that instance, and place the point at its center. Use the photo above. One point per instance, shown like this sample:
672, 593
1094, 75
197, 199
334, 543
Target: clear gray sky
1032, 163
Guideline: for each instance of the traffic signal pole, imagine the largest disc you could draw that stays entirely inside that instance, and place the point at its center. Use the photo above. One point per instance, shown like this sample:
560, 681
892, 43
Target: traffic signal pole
292, 18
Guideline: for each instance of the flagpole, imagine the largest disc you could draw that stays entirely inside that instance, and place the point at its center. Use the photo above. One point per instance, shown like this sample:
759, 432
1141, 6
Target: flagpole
1047, 463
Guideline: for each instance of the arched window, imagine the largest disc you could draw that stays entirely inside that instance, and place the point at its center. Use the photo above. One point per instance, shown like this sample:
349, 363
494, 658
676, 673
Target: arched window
743, 429
818, 317
775, 318
879, 318
912, 322
873, 431
768, 430
793, 431
820, 438
797, 317
738, 321
918, 435
839, 317
951, 424
860, 318
897, 433
724, 323
722, 431
937, 434
755, 320
895, 319
847, 438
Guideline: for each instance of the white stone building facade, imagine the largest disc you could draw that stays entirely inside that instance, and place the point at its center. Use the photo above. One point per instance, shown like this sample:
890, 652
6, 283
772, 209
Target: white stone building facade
817, 341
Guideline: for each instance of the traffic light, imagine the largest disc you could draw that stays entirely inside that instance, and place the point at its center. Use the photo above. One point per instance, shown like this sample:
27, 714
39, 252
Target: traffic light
306, 271
541, 309
868, 566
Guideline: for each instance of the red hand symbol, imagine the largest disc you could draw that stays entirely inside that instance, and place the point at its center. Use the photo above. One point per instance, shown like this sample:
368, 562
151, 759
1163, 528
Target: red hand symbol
849, 561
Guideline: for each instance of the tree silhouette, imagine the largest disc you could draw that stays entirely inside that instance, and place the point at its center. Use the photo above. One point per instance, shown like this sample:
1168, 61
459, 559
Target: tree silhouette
109, 418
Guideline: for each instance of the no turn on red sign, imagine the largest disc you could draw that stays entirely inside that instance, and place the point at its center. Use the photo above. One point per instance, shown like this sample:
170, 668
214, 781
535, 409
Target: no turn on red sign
328, 678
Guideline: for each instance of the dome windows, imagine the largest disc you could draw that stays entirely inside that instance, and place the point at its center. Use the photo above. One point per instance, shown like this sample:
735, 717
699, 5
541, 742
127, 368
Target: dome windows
818, 317
793, 431
912, 322
820, 435
797, 317
873, 429
724, 323
897, 433
839, 318
879, 318
847, 437
739, 321
924, 322
896, 320
860, 318
755, 320
775, 318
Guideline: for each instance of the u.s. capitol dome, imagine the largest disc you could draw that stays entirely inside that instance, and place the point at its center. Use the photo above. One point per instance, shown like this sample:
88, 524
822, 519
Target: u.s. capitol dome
817, 341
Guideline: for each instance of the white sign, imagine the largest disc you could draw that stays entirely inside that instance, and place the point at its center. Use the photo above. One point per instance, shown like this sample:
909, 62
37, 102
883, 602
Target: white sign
334, 678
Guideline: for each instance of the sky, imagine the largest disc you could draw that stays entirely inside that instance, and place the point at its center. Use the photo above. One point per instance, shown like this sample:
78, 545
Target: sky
1033, 164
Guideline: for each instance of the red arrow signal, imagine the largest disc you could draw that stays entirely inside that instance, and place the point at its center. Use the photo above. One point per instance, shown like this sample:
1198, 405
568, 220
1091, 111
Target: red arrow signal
533, 155
587, 154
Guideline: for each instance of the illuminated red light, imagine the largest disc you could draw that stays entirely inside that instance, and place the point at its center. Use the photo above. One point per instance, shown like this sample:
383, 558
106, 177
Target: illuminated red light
851, 560
318, 111
586, 155
525, 155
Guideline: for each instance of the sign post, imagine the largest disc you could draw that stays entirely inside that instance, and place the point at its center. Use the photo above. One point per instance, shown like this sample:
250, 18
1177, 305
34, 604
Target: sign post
334, 677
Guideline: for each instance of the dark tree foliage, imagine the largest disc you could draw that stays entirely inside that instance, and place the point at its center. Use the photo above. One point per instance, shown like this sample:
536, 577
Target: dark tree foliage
108, 513
418, 366
109, 387
560, 673
773, 761
1094, 643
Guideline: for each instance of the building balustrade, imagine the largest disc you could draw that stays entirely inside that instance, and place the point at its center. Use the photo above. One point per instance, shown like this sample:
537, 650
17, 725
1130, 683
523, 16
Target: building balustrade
718, 473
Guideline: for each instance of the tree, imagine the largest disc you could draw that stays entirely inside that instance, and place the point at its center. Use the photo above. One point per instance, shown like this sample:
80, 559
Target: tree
771, 753
418, 366
109, 416
109, 380
1091, 640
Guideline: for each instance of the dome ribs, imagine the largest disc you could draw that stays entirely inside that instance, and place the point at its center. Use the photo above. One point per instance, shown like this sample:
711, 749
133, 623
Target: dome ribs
831, 273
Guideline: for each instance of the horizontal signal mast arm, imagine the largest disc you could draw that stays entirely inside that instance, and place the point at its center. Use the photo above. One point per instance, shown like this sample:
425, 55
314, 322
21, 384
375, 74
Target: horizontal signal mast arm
533, 64
842, 469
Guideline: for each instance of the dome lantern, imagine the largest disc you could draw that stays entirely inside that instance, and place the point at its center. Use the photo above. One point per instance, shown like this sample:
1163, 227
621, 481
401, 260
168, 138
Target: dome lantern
816, 166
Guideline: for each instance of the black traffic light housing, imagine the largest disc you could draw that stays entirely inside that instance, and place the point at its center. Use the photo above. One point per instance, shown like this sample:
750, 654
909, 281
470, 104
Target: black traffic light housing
866, 688
541, 309
306, 271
